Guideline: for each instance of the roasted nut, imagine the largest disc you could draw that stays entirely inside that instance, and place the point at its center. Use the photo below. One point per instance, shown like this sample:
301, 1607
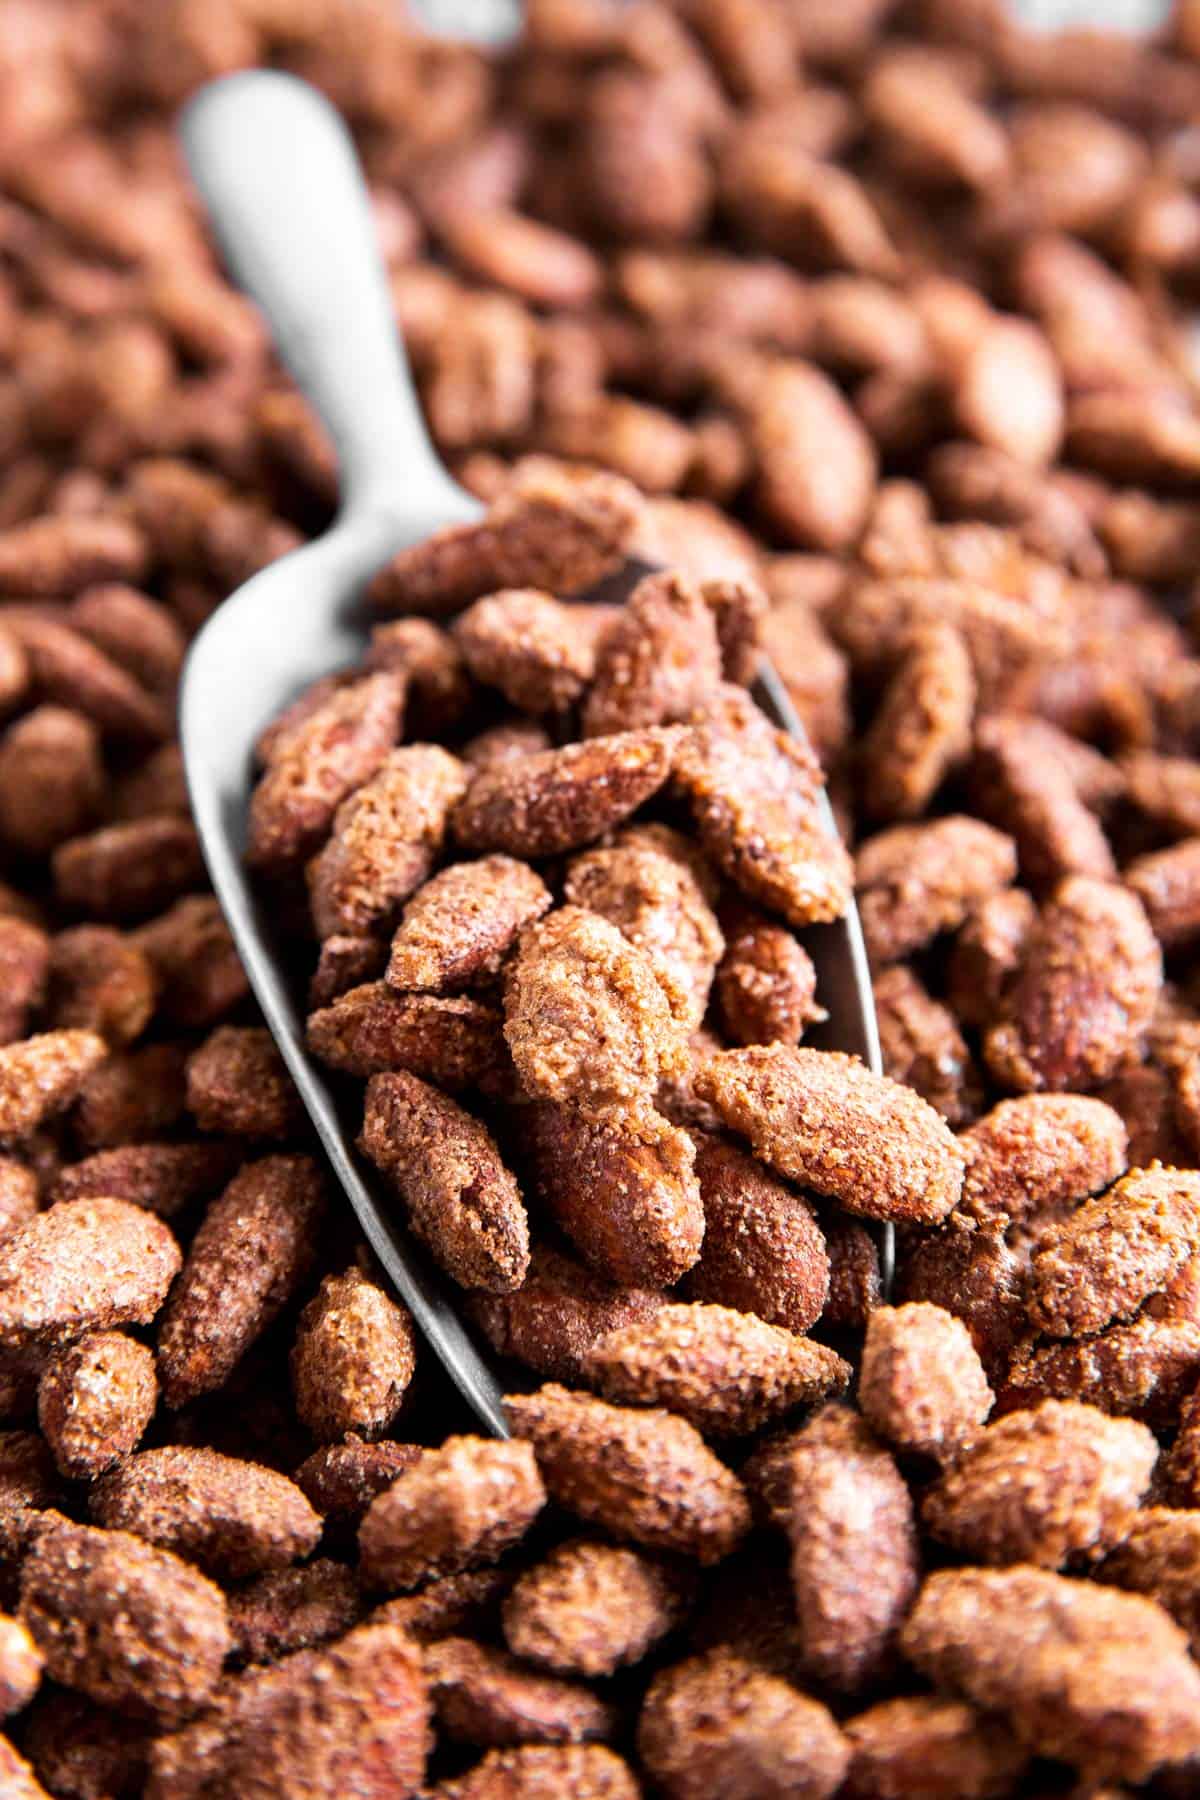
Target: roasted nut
1019, 1641
763, 1251
128, 871
545, 1772
659, 659
95, 1399
352, 1360
559, 1311
451, 1040
457, 1506
922, 1385
461, 1200
483, 1696
459, 927
253, 1248
590, 1608
766, 984
51, 779
944, 1749
163, 1178
233, 1518
237, 1083
922, 1046
99, 981
83, 1265
1040, 1153
41, 1075
916, 881
292, 1609
197, 970
540, 653
126, 1624
823, 1119
341, 1480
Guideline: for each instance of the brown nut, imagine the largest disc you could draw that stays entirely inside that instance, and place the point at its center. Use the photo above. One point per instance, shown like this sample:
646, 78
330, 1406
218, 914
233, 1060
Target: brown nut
559, 1311
763, 1252
591, 1608
352, 1360
459, 927
292, 1609
1039, 1153
460, 1505
766, 984
449, 1039
237, 1084
51, 779
484, 1697
99, 981
922, 1386
39, 1076
83, 1265
916, 881
95, 1399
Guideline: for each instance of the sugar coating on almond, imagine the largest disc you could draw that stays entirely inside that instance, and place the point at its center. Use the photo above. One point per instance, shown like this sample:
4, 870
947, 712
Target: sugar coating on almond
922, 1385
83, 1265
353, 1358
590, 1608
462, 1504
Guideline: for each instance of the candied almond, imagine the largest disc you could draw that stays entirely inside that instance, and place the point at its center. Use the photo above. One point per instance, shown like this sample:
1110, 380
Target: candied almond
766, 983
591, 1608
916, 881
1023, 1642
83, 1265
922, 1046
129, 1625
559, 1311
163, 1178
237, 1083
922, 727
448, 1039
763, 1251
353, 1358
485, 1697
727, 1372
548, 801
460, 1198
1140, 1370
940, 1748
1043, 1486
20, 1666
341, 1480
95, 1399
462, 1504
459, 927
292, 1609
1039, 1153
657, 661
545, 1772
41, 1075
643, 1475
52, 780
825, 1120
233, 1518
922, 1386
537, 651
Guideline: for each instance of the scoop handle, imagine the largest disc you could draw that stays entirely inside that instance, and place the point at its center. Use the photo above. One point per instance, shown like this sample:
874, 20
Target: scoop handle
278, 172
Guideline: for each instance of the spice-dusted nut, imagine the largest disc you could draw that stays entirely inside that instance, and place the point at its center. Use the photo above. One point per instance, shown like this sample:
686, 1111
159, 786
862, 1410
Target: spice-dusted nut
1040, 1153
763, 1251
24, 962
545, 1772
850, 1511
1100, 1263
39, 1076
1022, 1642
501, 743
591, 1608
766, 983
813, 670
823, 1119
138, 633
353, 1358
923, 1047
448, 1039
1168, 884
51, 779
124, 1623
816, 464
915, 881
755, 796
461, 924
439, 691
237, 1083
1158, 1557
19, 1194
657, 661
986, 952
253, 1248
548, 530
622, 1188
654, 887
716, 1724
1085, 993
465, 1503
95, 1399
341, 1480
922, 1385
559, 1311
587, 1021
540, 653
460, 1199
677, 1099
196, 966
484, 1697
727, 1372
385, 840
646, 1476
855, 1278
164, 1178
352, 1718
133, 1094
20, 1666
1044, 1486
289, 727
1025, 779
83, 1265
126, 872
928, 123
1140, 1371
318, 764
233, 1518
973, 1272
942, 1749
292, 1609
62, 553
29, 1485
554, 800
69, 670
922, 728
99, 981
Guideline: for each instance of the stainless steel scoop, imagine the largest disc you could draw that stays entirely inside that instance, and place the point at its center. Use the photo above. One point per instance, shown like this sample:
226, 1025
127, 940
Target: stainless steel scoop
278, 171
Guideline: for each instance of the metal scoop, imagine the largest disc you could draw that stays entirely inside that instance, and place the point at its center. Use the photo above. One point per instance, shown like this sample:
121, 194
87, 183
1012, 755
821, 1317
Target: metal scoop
277, 168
